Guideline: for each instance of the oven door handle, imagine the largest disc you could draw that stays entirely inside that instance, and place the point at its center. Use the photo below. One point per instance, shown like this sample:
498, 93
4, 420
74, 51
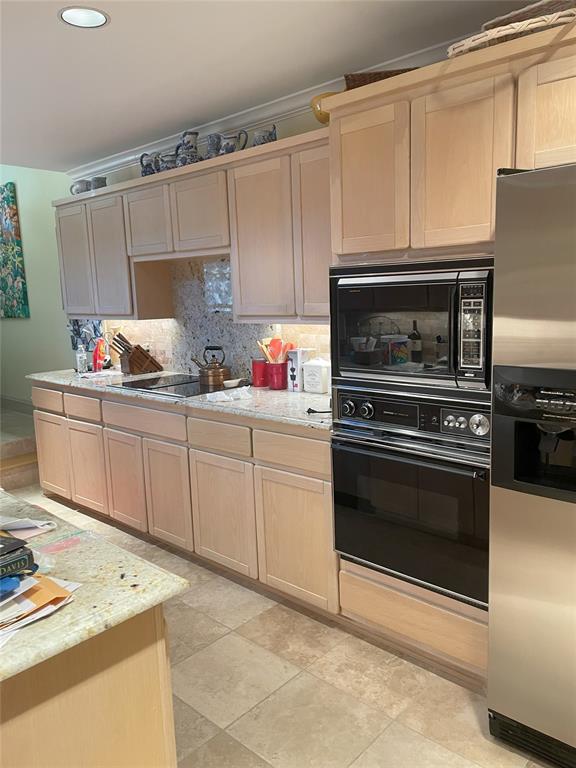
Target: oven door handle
474, 474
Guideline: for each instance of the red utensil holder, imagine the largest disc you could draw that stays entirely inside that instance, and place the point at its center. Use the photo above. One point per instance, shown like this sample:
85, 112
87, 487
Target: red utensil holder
278, 375
260, 373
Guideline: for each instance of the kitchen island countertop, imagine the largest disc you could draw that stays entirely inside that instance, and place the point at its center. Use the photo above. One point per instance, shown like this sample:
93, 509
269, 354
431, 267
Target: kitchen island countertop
115, 586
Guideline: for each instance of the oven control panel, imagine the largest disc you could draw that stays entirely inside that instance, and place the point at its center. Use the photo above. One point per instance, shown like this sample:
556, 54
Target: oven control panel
472, 325
374, 411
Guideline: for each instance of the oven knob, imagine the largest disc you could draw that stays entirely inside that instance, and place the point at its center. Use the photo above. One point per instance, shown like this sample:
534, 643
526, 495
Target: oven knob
461, 422
479, 424
348, 408
366, 410
449, 421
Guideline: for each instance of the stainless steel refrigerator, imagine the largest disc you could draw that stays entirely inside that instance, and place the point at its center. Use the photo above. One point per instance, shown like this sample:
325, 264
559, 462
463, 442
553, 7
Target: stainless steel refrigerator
532, 599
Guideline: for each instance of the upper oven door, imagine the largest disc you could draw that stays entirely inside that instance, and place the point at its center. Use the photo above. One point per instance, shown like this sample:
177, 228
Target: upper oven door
395, 325
417, 518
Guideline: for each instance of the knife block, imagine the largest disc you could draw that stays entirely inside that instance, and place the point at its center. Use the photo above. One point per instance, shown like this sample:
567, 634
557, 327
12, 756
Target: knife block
139, 361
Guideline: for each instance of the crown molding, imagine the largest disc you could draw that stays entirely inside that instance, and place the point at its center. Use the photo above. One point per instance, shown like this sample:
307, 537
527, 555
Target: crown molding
276, 111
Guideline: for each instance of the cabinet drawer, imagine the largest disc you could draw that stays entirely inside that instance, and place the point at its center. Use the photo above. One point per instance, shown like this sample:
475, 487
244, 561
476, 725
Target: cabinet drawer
47, 399
415, 621
82, 407
215, 436
308, 456
160, 423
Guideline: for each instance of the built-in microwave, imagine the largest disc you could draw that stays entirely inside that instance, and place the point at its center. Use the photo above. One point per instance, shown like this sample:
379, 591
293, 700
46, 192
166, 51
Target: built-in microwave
413, 323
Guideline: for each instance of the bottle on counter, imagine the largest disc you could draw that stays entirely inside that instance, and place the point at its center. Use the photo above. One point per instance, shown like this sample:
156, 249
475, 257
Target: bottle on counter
81, 359
415, 343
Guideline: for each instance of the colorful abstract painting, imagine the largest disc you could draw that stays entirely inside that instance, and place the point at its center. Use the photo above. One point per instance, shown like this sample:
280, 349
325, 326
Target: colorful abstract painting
13, 291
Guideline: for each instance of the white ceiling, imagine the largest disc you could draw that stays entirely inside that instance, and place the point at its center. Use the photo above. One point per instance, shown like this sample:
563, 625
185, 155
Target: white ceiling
71, 96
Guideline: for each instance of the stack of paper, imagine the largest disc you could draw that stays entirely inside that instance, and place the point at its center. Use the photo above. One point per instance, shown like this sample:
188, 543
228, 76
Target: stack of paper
36, 597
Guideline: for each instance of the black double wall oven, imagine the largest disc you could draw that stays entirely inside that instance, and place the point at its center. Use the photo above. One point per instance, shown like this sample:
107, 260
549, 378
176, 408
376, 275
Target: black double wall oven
411, 406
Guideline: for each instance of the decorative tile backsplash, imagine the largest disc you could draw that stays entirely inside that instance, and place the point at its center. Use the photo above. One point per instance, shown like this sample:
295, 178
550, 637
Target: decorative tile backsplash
203, 316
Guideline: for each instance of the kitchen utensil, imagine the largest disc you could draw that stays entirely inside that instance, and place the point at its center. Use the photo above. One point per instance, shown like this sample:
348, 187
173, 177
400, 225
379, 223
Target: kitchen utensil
264, 349
213, 373
316, 376
97, 182
275, 349
264, 136
134, 359
259, 373
187, 151
80, 186
278, 375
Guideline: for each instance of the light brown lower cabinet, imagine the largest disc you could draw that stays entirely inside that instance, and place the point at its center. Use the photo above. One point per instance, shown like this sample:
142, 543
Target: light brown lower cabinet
88, 474
223, 511
53, 452
125, 469
168, 492
295, 536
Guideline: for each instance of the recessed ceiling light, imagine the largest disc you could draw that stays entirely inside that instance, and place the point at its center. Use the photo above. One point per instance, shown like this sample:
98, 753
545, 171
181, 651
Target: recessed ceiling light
83, 17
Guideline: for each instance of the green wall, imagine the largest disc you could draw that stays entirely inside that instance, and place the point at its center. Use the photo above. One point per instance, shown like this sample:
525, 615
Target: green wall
41, 342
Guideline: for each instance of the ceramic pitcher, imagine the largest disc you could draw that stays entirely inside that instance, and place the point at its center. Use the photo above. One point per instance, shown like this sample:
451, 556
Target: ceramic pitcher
234, 142
187, 151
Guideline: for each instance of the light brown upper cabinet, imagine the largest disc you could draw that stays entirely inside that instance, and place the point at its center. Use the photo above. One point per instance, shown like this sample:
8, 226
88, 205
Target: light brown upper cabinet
112, 289
88, 472
311, 225
200, 212
262, 255
75, 261
460, 137
148, 225
370, 180
547, 114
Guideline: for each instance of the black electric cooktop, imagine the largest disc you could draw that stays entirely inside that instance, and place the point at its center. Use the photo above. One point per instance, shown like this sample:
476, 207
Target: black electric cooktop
175, 385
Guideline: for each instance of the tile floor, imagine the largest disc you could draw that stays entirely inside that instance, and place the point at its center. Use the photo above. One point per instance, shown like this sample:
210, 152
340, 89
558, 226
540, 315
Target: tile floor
257, 684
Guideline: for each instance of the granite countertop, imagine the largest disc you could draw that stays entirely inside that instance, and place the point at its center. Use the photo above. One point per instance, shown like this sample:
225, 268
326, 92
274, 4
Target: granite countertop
271, 405
116, 585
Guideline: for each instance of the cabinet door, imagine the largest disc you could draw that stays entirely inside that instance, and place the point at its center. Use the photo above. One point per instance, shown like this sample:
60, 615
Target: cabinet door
53, 452
460, 137
88, 471
75, 261
112, 289
547, 114
262, 254
200, 212
311, 224
295, 536
148, 227
125, 469
168, 492
223, 511
370, 177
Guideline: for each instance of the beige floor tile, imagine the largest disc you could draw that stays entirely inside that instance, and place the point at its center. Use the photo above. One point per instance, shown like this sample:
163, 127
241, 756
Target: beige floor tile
227, 602
399, 747
291, 635
223, 752
458, 719
192, 730
229, 677
188, 630
309, 724
181, 566
375, 676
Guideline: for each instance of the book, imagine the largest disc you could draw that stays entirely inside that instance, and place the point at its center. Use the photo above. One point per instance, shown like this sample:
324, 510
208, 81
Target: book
15, 562
9, 543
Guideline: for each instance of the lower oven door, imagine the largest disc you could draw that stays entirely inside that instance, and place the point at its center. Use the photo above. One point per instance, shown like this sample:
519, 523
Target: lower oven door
423, 520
